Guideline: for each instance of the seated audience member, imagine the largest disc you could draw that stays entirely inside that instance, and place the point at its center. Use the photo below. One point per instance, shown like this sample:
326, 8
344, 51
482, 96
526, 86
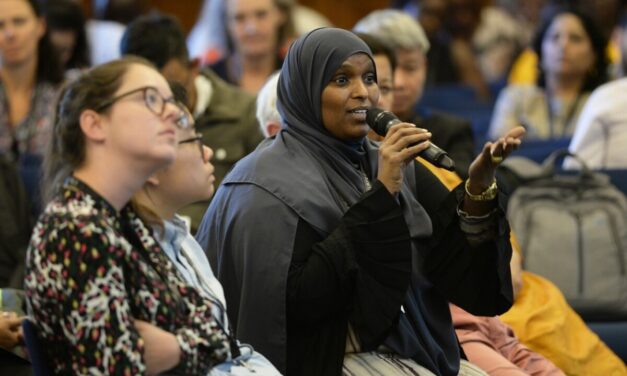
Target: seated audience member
401, 32
66, 24
487, 342
321, 299
485, 339
572, 63
605, 14
255, 35
600, 138
207, 39
190, 178
268, 116
473, 42
104, 296
29, 79
224, 115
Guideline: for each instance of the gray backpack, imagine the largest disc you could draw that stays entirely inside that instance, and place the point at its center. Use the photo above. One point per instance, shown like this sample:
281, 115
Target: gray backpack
573, 230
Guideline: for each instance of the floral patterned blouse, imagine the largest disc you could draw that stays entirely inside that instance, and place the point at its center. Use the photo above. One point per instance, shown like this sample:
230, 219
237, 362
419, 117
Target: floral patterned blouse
91, 271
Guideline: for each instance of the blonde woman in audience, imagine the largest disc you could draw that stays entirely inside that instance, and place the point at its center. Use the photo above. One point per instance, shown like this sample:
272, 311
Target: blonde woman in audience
572, 63
257, 33
104, 296
208, 38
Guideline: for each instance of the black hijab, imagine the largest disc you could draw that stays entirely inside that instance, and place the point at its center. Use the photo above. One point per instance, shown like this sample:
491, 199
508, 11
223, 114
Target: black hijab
305, 154
314, 176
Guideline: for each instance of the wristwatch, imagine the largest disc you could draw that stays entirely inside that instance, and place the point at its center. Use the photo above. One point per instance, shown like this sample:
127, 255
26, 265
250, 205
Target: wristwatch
487, 195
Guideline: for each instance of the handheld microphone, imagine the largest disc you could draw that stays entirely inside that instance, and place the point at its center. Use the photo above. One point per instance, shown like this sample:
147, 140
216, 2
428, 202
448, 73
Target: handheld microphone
380, 121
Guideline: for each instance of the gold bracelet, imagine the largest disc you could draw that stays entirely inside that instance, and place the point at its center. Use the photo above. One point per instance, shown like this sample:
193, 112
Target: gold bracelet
487, 195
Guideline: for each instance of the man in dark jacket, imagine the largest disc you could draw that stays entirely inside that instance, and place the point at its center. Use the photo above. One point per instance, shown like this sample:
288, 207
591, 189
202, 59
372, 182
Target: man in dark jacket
224, 114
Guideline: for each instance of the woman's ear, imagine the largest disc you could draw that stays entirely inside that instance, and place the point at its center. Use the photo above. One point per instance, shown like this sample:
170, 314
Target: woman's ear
273, 128
92, 125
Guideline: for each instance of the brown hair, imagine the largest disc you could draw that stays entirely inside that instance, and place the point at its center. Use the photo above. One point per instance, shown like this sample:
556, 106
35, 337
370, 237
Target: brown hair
66, 149
48, 65
146, 214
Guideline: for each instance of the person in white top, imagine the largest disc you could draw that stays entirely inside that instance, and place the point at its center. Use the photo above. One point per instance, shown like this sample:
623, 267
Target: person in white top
601, 133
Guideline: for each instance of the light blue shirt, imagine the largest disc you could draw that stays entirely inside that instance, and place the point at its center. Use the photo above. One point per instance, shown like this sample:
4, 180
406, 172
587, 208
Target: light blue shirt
190, 260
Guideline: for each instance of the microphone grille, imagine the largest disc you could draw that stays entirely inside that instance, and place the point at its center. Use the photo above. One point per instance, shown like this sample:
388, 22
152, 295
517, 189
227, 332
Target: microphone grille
373, 119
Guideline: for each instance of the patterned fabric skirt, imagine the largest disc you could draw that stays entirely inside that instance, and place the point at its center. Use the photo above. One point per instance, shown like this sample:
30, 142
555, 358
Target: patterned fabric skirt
389, 364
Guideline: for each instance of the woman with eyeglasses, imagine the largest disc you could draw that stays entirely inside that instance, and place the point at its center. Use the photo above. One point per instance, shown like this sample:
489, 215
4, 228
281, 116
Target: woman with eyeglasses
187, 180
104, 296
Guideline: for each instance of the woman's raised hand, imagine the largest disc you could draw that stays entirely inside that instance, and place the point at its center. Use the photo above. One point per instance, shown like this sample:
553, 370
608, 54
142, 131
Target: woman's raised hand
482, 169
403, 142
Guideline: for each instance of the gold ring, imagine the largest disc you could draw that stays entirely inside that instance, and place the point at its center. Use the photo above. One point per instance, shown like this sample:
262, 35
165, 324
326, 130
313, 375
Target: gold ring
496, 159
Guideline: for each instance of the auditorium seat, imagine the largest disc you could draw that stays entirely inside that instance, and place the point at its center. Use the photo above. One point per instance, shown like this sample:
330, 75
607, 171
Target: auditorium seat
35, 349
538, 150
614, 334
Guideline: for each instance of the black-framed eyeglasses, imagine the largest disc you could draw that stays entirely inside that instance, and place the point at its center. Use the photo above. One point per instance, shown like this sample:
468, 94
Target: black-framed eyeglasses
155, 102
198, 140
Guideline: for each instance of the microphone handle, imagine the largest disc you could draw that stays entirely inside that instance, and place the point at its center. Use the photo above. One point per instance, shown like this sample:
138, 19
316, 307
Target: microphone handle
433, 154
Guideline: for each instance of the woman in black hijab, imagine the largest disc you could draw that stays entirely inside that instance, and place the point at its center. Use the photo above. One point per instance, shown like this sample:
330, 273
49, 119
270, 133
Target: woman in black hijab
327, 243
